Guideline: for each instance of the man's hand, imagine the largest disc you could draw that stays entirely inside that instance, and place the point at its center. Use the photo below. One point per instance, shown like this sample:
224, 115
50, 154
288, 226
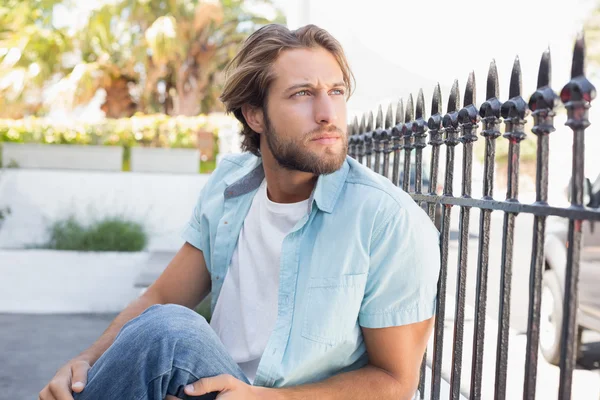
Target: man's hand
229, 388
70, 378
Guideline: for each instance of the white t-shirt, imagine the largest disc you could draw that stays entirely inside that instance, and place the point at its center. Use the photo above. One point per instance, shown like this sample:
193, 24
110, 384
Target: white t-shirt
246, 310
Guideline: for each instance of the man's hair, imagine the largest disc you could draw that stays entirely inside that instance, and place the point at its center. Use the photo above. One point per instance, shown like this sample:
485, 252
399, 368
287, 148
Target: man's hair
249, 74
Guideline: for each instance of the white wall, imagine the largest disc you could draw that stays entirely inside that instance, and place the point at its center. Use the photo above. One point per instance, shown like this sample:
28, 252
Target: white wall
162, 202
48, 281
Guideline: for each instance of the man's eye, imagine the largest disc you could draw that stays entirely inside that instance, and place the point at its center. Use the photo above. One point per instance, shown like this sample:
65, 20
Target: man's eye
338, 91
301, 93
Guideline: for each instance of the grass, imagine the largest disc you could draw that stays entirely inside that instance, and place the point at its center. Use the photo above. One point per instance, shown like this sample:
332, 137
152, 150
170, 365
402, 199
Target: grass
108, 234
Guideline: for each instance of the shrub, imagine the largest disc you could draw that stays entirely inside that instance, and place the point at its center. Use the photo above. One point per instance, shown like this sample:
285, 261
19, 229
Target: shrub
108, 234
140, 130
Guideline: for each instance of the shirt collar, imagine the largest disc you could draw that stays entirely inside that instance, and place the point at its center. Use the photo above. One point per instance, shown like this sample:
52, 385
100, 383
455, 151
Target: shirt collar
325, 195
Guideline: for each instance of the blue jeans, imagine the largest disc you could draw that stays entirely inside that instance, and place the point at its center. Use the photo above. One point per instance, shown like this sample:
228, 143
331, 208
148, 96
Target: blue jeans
157, 354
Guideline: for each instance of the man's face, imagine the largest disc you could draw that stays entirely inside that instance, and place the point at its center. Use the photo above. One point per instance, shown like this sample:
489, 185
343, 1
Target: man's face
305, 115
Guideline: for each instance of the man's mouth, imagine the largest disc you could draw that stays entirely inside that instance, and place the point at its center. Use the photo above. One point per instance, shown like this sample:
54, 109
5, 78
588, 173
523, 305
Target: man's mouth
327, 139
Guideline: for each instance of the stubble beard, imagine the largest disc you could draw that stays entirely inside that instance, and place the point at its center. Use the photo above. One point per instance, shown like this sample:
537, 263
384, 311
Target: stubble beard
294, 154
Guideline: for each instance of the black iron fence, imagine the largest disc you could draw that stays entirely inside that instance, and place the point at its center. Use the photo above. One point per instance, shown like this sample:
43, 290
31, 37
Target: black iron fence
406, 132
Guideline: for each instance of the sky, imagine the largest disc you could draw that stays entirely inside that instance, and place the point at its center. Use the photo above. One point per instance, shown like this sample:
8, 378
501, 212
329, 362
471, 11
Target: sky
431, 41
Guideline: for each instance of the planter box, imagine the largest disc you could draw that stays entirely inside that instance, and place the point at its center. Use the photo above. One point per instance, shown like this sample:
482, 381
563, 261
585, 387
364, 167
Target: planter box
152, 159
51, 281
67, 156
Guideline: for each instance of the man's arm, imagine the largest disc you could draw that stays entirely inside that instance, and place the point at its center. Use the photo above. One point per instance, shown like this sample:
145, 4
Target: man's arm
185, 281
395, 356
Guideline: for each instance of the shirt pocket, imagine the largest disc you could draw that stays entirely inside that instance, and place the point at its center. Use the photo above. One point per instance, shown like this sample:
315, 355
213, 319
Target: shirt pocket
332, 307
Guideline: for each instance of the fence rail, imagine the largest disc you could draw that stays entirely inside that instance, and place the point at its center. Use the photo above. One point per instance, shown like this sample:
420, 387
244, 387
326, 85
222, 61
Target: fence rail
374, 142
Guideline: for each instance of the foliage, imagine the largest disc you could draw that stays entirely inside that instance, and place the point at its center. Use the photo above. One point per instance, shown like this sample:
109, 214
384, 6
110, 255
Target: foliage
108, 234
140, 130
31, 51
147, 55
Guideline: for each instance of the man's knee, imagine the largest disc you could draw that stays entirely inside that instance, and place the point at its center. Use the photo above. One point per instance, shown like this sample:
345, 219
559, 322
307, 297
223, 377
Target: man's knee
168, 321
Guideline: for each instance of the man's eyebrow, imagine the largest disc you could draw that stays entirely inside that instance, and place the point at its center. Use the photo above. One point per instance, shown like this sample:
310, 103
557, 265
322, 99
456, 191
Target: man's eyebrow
311, 86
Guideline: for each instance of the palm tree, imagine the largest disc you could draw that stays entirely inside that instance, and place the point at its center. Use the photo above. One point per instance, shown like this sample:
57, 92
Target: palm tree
165, 56
146, 55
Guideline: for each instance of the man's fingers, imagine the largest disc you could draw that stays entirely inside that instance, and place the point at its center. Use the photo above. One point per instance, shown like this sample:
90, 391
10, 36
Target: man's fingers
60, 390
217, 383
79, 373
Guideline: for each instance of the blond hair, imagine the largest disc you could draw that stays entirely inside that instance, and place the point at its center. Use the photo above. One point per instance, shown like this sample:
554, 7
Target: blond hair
249, 74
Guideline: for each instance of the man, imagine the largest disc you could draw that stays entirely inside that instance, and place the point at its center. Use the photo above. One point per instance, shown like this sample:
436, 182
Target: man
323, 274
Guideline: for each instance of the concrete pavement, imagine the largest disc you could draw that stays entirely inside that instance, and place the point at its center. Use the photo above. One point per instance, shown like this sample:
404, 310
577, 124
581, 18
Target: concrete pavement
33, 347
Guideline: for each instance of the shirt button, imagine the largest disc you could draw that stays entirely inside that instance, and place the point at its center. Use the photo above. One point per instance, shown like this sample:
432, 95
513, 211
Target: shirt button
225, 222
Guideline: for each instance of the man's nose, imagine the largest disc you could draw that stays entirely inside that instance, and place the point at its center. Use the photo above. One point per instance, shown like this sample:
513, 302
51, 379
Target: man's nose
324, 110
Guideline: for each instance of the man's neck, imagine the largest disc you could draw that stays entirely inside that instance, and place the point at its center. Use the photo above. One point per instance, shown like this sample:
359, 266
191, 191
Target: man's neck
285, 186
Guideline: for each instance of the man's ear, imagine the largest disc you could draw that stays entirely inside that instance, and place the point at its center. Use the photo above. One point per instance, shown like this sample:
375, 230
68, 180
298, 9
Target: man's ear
254, 118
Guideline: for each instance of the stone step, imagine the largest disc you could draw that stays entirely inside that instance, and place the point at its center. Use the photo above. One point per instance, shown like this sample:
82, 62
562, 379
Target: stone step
157, 262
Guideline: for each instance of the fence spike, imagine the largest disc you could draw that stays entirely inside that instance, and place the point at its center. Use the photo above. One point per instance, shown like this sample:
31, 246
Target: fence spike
515, 80
470, 90
578, 66
379, 119
454, 99
355, 126
545, 71
408, 113
369, 127
420, 112
400, 112
389, 117
436, 101
493, 85
361, 128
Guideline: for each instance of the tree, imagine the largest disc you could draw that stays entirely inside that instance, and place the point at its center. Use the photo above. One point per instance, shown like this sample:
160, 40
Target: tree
30, 54
146, 55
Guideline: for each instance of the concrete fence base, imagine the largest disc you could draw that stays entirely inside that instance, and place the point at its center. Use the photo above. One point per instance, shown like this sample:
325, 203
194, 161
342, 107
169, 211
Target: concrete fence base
51, 281
149, 159
80, 157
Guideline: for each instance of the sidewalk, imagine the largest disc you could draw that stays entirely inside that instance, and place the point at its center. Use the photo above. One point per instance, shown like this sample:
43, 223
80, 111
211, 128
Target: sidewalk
33, 347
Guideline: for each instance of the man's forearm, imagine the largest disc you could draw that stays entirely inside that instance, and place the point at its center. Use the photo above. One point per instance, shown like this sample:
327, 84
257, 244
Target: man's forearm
365, 383
135, 308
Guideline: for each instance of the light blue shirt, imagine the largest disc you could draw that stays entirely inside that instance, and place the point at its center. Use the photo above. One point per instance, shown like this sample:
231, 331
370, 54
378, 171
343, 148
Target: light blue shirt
364, 255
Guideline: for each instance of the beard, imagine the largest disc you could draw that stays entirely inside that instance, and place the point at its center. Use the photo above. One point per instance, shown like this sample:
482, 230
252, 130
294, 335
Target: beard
294, 154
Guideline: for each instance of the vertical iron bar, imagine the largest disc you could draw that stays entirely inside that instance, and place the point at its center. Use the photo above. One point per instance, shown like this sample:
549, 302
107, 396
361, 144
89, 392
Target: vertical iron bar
514, 112
377, 143
360, 140
408, 143
352, 136
468, 118
435, 133
490, 114
397, 142
541, 104
435, 140
450, 124
369, 140
385, 138
577, 96
419, 127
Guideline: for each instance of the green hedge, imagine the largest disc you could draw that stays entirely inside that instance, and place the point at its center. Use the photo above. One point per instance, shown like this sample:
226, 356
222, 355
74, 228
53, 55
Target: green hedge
143, 130
107, 234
